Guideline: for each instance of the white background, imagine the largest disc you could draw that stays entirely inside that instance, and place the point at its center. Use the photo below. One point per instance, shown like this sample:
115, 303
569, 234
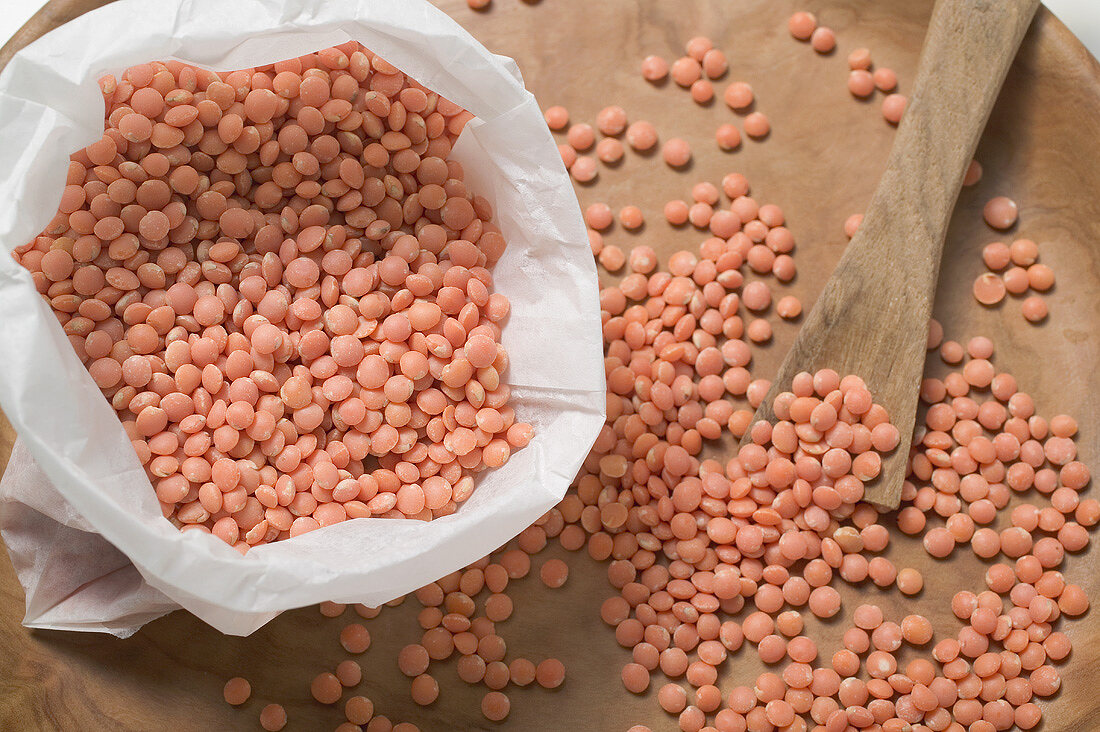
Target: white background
1082, 17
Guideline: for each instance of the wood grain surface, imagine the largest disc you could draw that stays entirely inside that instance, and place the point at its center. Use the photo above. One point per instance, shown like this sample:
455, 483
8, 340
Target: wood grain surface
821, 162
870, 319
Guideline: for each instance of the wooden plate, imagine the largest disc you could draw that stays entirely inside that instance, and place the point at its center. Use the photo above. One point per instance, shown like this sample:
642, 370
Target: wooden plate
820, 164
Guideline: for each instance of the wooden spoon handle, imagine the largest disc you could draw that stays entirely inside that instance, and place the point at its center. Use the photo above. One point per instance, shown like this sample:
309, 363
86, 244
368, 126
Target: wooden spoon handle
968, 49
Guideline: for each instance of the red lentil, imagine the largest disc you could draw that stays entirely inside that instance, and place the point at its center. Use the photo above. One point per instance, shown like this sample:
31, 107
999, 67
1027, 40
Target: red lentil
273, 370
690, 540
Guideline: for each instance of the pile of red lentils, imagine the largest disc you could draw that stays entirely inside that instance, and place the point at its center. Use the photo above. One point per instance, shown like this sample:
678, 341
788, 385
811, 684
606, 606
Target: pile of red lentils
280, 282
708, 554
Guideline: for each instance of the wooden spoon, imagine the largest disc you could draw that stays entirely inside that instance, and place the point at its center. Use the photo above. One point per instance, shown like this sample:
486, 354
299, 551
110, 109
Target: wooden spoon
871, 318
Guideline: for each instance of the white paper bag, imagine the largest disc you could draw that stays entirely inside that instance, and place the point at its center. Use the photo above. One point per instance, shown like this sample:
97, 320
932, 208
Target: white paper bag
50, 106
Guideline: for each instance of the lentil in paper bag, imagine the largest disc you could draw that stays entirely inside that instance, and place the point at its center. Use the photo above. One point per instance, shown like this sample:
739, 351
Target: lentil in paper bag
78, 514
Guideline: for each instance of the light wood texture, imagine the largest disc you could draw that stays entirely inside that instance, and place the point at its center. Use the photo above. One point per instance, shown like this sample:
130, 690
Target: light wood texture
871, 318
821, 163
